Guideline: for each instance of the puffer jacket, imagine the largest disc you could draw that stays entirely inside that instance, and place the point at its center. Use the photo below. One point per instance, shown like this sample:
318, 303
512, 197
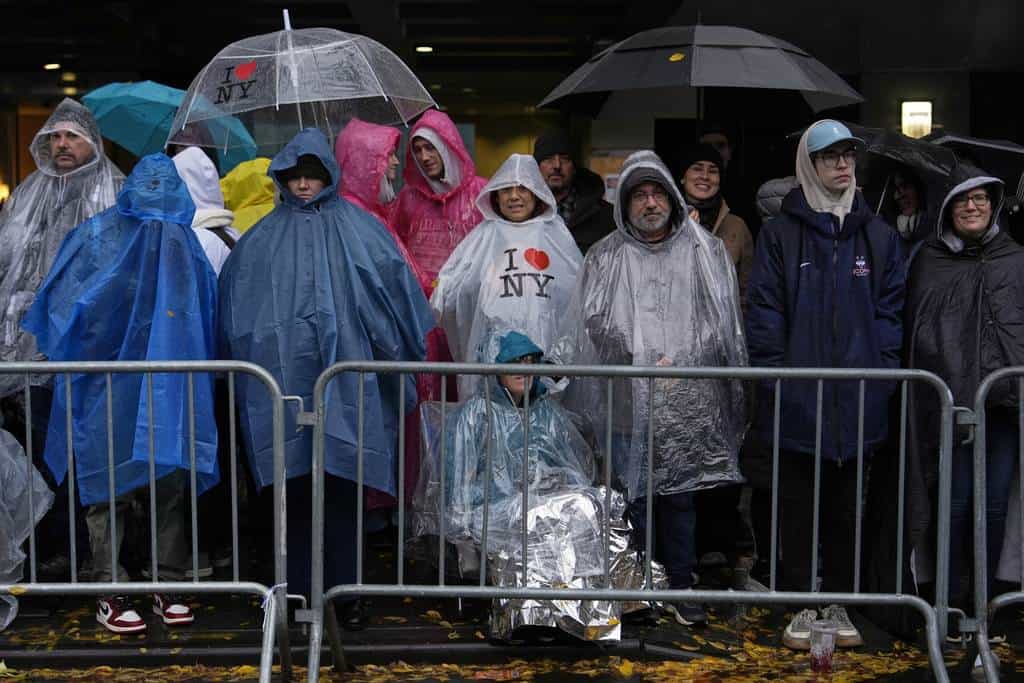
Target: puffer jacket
823, 294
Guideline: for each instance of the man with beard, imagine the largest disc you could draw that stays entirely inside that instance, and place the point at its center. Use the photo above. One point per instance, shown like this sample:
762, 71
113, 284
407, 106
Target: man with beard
660, 291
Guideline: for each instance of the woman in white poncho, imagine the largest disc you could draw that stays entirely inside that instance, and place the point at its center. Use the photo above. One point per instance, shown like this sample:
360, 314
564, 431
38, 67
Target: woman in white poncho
515, 271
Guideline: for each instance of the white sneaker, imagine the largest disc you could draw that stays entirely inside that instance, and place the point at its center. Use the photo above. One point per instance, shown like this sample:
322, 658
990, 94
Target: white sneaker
117, 615
172, 610
797, 635
848, 635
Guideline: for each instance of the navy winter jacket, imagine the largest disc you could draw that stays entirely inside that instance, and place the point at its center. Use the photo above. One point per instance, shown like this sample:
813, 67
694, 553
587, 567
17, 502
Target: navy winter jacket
825, 296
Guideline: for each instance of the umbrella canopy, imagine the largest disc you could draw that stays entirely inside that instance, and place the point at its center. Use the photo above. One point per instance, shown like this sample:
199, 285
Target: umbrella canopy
279, 83
702, 56
1001, 158
138, 117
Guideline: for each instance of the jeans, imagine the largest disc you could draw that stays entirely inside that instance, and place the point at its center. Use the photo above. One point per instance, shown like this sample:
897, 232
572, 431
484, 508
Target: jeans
1000, 465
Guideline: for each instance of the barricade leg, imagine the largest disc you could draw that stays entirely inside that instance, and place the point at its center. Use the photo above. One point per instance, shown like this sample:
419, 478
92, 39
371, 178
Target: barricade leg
334, 637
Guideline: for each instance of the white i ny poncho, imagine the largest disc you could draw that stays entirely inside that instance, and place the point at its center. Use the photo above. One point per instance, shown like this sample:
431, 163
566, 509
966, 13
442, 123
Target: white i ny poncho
507, 276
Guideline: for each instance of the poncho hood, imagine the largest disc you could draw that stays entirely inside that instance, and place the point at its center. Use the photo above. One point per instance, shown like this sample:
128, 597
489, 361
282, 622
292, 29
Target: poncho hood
201, 179
518, 169
437, 127
248, 192
968, 179
155, 191
362, 152
646, 166
313, 142
72, 116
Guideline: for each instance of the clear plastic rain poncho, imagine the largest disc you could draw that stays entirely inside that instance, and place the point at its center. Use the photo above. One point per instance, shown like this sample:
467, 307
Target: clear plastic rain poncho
34, 221
565, 522
669, 303
17, 517
507, 276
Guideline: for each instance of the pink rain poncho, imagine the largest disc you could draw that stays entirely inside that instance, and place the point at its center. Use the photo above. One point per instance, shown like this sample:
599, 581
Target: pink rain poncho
362, 151
433, 223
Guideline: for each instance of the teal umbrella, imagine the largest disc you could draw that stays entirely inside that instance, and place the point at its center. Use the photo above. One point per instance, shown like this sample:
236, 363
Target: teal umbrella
138, 117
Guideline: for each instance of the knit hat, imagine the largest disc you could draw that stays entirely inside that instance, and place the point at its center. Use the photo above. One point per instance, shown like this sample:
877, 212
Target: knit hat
702, 152
307, 166
550, 143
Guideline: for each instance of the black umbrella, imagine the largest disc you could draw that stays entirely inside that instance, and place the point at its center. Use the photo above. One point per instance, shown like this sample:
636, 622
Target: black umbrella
1001, 158
698, 57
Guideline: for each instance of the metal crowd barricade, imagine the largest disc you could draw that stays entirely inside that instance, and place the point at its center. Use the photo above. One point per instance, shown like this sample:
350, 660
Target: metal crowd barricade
322, 612
985, 611
274, 598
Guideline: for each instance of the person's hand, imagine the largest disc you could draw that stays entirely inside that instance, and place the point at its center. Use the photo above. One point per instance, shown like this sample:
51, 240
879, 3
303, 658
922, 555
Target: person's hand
664, 361
694, 215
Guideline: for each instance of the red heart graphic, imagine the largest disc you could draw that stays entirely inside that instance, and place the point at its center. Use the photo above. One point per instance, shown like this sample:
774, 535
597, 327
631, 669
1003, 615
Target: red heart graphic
537, 258
243, 71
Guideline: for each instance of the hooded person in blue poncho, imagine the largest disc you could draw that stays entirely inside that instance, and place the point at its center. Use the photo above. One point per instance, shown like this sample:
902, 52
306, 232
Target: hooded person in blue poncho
315, 282
132, 284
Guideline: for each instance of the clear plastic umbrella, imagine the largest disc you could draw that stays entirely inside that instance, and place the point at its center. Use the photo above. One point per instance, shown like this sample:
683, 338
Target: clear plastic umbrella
279, 83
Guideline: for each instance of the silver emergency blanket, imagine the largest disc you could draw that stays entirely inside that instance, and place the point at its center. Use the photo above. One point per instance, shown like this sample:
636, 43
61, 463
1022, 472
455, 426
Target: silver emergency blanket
17, 517
35, 219
505, 275
565, 518
669, 303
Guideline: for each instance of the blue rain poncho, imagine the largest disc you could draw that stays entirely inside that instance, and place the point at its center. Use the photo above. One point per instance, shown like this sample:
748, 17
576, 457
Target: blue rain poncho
314, 283
132, 283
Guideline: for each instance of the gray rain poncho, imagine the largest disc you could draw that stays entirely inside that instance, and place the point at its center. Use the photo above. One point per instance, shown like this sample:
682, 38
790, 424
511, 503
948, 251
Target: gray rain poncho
675, 303
565, 522
34, 221
507, 276
17, 518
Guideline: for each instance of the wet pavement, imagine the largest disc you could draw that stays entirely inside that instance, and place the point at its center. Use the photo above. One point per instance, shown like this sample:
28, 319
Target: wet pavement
57, 639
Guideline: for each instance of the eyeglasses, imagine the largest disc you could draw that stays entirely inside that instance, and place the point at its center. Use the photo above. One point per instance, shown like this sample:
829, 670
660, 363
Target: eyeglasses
526, 360
981, 200
831, 158
641, 197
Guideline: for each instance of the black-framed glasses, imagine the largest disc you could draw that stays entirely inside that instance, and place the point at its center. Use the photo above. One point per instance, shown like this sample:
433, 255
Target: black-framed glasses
979, 199
830, 158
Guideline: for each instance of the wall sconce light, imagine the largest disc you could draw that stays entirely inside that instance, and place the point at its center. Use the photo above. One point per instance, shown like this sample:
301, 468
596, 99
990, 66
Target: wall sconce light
5, 191
916, 118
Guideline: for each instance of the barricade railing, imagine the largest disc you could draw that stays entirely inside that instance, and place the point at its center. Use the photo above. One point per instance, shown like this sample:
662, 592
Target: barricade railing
273, 597
322, 613
985, 611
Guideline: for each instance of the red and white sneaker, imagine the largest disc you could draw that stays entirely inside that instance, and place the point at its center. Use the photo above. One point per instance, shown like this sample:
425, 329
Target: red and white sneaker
117, 615
172, 610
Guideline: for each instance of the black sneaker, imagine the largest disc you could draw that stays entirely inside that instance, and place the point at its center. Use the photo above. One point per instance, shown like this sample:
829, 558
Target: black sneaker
687, 613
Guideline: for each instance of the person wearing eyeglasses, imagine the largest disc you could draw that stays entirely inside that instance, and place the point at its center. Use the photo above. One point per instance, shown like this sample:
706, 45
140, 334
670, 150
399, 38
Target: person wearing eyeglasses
964, 321
826, 290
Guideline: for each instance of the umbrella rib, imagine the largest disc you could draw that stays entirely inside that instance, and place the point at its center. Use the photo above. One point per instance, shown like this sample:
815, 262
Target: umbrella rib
380, 86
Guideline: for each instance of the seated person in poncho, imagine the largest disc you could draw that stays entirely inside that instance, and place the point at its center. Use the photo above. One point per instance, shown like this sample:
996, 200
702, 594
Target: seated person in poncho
565, 533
